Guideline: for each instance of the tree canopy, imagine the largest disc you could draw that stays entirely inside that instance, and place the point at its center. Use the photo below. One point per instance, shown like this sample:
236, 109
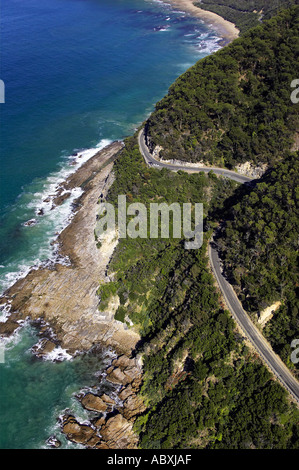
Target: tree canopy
234, 106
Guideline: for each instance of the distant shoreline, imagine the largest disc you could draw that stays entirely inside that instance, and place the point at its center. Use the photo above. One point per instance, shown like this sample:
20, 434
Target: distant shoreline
226, 29
29, 297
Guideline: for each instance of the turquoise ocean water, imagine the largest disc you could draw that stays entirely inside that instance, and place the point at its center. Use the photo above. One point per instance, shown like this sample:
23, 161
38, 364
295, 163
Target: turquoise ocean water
78, 74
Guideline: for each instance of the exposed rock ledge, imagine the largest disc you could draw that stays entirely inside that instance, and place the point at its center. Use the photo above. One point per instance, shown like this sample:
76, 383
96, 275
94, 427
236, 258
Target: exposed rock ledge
268, 313
62, 300
112, 428
66, 296
248, 169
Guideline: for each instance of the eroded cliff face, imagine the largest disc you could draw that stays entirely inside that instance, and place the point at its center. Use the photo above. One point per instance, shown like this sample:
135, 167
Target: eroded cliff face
251, 170
65, 295
62, 301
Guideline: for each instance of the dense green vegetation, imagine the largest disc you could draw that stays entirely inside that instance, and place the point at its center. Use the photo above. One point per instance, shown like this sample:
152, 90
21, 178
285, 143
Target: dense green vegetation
245, 14
234, 106
143, 265
259, 246
202, 386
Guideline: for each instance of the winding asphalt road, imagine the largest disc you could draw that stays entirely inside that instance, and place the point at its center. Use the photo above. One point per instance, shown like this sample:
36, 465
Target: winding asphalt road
252, 333
150, 160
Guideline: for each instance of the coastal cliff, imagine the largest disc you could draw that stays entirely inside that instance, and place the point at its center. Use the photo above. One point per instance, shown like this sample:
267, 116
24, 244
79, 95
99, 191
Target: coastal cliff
65, 295
62, 301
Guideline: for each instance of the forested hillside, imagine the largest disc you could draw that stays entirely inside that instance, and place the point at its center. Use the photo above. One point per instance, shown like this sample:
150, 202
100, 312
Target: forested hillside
144, 264
260, 250
234, 106
245, 14
202, 386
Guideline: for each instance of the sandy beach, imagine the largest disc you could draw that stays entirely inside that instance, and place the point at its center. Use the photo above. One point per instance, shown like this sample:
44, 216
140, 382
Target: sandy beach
223, 27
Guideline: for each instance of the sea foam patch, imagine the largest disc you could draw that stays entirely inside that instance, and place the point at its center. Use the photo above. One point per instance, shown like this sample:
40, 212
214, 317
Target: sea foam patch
57, 355
43, 224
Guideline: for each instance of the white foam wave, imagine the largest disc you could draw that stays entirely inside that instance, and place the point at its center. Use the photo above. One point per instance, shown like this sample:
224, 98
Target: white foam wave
209, 46
162, 28
44, 198
167, 6
5, 311
51, 222
9, 342
57, 355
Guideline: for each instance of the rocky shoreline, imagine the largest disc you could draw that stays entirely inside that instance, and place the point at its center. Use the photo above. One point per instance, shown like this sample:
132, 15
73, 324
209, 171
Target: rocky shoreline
112, 427
62, 301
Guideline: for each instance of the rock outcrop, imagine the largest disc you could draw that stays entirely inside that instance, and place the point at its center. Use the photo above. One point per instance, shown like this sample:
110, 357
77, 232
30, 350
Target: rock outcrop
113, 428
92, 402
43, 347
65, 294
250, 170
53, 442
80, 433
63, 298
117, 433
